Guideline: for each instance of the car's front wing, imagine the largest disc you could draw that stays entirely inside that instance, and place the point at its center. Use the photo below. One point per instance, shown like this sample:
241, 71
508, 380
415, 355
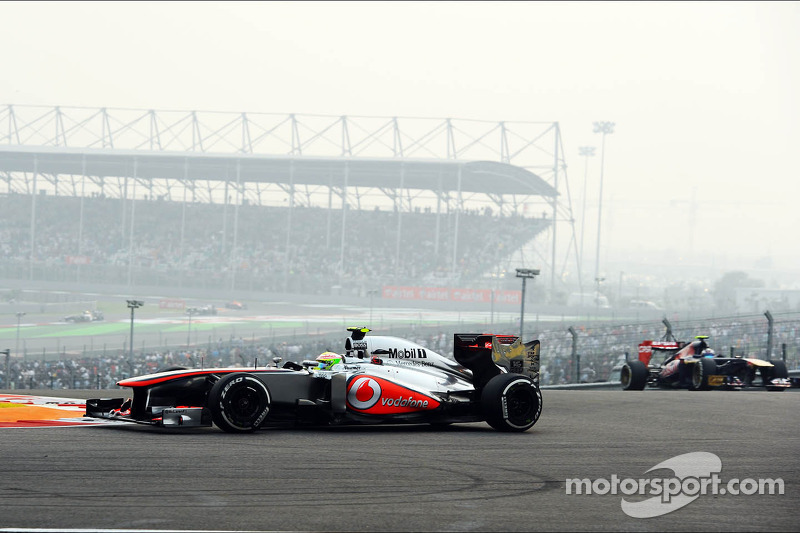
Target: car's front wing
117, 409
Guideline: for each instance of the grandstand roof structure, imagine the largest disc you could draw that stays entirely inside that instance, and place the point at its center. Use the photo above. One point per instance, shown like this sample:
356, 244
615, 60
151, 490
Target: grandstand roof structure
80, 151
487, 177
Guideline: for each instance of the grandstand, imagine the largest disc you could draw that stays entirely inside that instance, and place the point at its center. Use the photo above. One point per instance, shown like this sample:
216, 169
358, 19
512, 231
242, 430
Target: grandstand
280, 203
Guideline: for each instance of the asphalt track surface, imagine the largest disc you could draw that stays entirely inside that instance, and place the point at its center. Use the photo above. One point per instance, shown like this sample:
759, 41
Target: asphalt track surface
410, 478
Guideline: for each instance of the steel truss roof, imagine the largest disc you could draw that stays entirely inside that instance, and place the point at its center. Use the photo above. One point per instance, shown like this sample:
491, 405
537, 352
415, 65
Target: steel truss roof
486, 177
375, 146
491, 159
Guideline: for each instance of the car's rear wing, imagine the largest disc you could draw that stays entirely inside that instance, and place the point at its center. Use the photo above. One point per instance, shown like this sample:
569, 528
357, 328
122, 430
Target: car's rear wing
485, 354
646, 349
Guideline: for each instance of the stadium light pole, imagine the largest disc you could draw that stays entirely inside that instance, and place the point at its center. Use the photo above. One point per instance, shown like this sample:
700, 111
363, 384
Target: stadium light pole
525, 274
7, 376
189, 312
20, 314
133, 305
586, 152
604, 128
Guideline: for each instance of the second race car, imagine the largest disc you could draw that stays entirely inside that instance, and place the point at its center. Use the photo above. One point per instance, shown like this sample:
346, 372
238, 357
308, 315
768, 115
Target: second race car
695, 366
86, 316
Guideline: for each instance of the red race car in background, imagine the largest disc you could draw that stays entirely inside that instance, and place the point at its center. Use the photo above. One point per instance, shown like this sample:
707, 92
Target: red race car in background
695, 366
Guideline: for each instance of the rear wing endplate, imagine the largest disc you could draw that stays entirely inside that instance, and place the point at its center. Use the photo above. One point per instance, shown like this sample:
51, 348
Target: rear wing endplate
483, 354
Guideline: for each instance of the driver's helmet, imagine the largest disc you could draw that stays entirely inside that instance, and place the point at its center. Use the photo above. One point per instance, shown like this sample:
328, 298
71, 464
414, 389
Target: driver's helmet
326, 360
708, 352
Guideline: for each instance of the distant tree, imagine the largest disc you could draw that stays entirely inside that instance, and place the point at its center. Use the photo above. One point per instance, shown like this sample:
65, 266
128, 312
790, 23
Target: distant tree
725, 288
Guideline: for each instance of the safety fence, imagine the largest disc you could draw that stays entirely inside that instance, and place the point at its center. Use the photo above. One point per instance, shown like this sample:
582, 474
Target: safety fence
594, 352
571, 353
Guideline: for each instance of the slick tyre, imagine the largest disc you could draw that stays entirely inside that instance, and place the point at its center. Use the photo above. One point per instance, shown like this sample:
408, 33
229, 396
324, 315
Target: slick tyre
511, 402
701, 371
239, 403
633, 375
776, 371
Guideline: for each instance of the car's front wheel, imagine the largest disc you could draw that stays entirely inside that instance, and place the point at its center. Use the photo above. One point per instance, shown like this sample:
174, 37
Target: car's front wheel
239, 402
702, 370
511, 402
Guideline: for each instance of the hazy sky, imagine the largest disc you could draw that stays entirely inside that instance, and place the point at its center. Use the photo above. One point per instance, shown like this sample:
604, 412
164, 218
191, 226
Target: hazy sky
704, 94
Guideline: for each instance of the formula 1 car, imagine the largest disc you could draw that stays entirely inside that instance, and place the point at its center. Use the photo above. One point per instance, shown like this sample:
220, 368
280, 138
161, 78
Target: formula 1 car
202, 310
494, 378
86, 316
695, 366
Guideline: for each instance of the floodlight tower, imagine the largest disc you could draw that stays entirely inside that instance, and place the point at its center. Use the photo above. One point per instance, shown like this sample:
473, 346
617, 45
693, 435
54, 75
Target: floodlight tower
586, 152
132, 305
20, 314
7, 376
525, 274
604, 128
190, 312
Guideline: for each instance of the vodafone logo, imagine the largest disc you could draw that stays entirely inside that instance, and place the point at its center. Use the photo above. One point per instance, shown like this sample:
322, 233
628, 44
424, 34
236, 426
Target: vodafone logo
378, 396
364, 393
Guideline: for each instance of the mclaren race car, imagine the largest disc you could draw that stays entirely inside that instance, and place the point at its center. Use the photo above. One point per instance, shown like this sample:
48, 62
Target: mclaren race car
494, 378
695, 366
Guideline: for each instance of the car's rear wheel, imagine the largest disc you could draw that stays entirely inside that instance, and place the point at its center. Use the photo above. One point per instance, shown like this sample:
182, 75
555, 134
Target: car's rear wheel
239, 402
776, 371
511, 402
702, 370
633, 375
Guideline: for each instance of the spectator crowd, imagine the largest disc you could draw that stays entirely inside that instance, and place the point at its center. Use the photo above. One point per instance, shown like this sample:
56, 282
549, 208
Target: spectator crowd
303, 249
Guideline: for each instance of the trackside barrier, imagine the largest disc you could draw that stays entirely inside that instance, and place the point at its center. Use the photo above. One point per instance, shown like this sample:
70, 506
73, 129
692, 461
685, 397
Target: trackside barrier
586, 386
615, 384
600, 345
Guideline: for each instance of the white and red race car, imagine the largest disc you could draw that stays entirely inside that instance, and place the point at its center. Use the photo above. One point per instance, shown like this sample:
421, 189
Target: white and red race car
378, 380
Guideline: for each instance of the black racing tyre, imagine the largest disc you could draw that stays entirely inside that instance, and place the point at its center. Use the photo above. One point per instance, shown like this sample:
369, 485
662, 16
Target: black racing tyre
777, 370
170, 369
511, 402
633, 375
703, 369
239, 402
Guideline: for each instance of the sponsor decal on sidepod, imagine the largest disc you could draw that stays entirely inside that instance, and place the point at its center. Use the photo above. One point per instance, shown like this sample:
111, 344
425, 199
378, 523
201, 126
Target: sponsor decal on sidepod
407, 353
378, 396
671, 368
